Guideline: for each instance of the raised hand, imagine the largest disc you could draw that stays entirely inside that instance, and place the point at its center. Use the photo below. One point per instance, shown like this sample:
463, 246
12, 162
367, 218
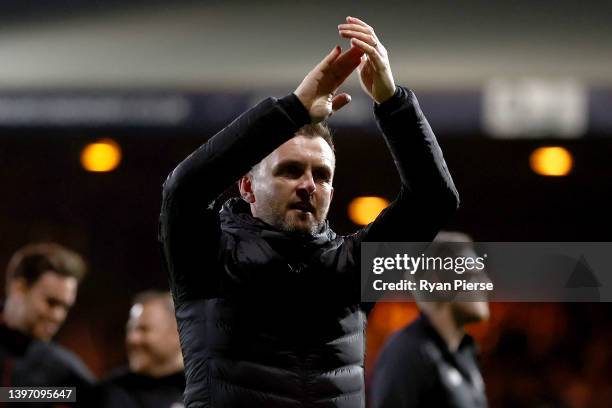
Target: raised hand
317, 92
374, 71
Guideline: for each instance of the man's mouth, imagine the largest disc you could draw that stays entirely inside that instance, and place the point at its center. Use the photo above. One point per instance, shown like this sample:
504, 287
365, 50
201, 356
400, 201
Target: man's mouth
48, 329
303, 206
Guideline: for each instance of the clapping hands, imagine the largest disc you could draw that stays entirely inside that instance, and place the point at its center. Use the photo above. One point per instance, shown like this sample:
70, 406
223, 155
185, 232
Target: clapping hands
317, 91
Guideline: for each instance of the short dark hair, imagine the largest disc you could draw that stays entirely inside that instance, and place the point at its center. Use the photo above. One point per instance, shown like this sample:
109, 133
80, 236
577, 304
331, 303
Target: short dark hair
445, 244
154, 294
31, 261
311, 131
318, 130
442, 245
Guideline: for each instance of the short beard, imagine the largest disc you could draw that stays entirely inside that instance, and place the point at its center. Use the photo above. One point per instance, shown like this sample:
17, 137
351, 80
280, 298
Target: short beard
300, 233
303, 231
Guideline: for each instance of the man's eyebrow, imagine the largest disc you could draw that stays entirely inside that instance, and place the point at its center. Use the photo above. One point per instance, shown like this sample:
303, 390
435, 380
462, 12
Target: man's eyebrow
323, 166
325, 169
289, 162
284, 164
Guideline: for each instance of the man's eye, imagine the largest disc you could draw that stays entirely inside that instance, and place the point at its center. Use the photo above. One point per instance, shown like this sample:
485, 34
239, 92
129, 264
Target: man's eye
292, 171
56, 303
322, 176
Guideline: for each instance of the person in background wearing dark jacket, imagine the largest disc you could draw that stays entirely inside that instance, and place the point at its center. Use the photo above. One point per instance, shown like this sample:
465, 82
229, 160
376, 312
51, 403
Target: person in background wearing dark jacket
267, 296
154, 378
41, 287
432, 362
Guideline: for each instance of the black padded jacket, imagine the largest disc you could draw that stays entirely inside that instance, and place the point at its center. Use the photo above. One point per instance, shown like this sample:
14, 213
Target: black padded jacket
266, 319
416, 369
29, 362
126, 389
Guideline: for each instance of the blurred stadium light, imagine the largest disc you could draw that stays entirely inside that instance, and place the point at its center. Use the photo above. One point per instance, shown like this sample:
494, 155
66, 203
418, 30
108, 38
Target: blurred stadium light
101, 156
551, 161
363, 210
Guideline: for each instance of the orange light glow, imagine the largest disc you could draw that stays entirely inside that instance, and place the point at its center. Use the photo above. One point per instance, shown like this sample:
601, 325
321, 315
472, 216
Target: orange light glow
551, 161
101, 156
364, 210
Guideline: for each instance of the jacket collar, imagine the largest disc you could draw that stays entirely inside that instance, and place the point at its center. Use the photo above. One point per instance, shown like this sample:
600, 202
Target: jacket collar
236, 218
14, 340
466, 342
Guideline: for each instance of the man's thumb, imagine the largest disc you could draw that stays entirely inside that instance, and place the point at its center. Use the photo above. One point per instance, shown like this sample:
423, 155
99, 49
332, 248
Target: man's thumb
339, 101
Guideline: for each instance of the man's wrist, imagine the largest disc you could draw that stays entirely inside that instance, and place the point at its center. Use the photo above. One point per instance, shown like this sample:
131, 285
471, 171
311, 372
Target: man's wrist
394, 102
387, 97
296, 110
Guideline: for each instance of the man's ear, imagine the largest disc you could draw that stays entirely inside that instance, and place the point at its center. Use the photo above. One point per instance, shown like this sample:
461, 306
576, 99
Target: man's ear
245, 185
331, 195
18, 286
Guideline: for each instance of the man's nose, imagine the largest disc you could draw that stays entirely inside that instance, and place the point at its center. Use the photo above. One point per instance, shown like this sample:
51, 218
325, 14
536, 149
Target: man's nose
307, 185
58, 314
133, 337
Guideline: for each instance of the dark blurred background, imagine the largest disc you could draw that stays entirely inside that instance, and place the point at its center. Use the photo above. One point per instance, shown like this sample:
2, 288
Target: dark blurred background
497, 81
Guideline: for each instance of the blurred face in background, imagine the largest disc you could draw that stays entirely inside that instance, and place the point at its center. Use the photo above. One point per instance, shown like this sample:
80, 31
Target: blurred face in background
40, 310
470, 312
466, 312
152, 340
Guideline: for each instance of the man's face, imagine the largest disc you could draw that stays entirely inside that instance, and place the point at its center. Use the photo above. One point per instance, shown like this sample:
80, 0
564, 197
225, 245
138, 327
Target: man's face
292, 187
470, 312
152, 340
476, 310
44, 306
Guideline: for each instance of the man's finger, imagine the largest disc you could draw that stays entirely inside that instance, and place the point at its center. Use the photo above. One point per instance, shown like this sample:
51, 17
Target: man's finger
371, 52
364, 61
365, 67
339, 101
356, 27
346, 63
329, 59
362, 36
355, 20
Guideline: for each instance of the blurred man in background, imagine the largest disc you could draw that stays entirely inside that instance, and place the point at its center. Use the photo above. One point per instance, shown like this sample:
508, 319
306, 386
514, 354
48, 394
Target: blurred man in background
41, 287
154, 377
432, 362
